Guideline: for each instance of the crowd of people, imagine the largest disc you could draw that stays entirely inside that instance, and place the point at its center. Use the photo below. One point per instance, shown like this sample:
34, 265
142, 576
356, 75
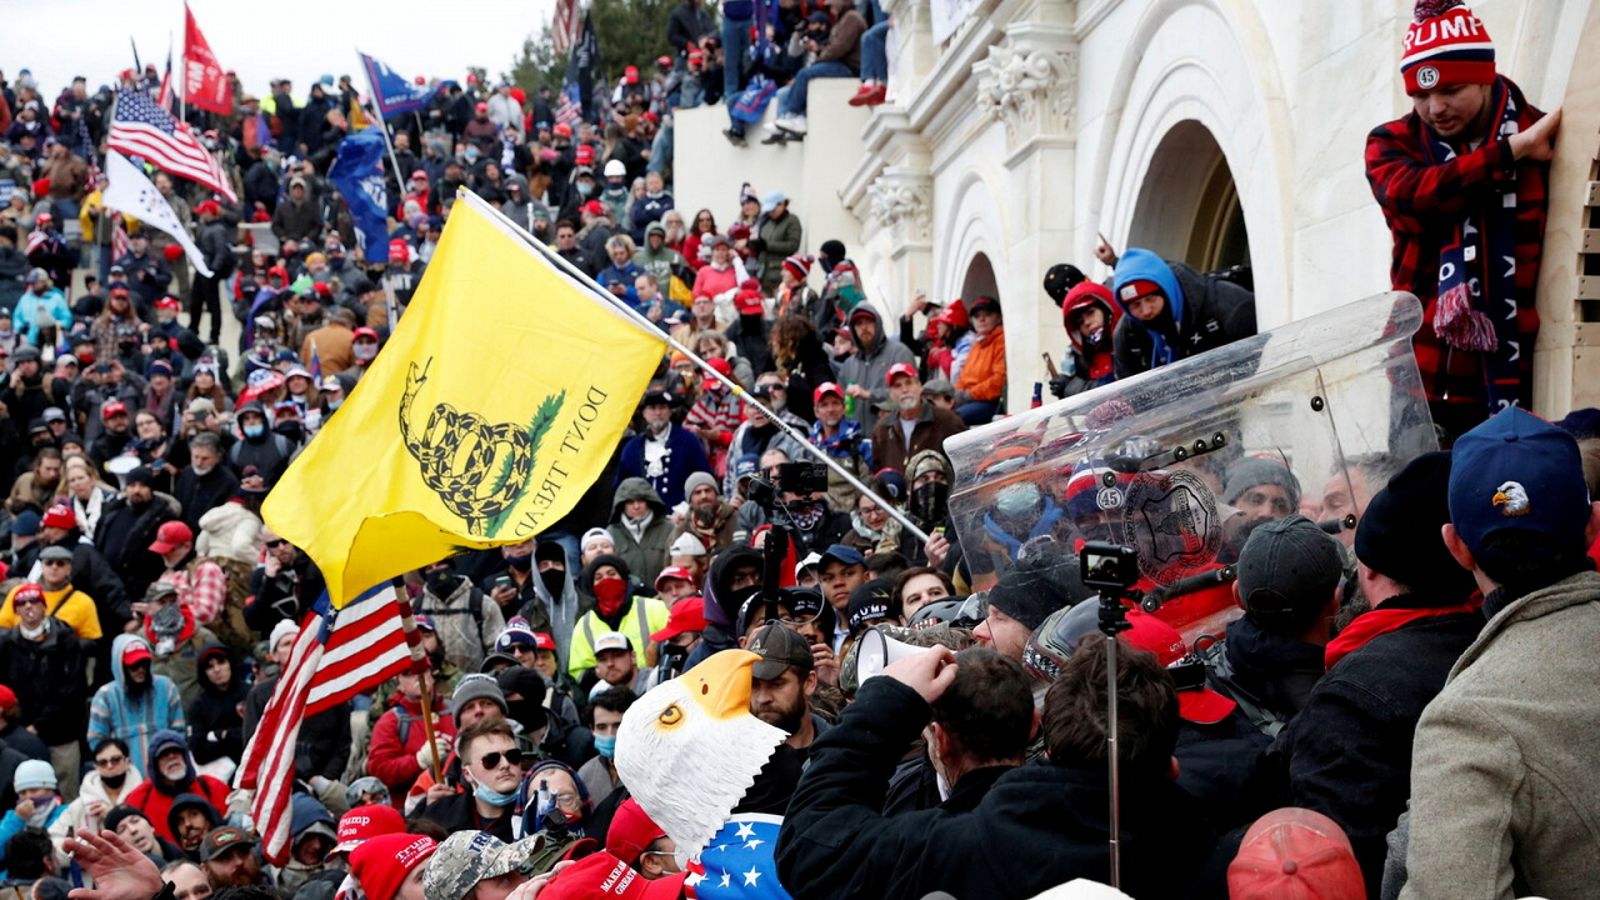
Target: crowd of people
1396, 711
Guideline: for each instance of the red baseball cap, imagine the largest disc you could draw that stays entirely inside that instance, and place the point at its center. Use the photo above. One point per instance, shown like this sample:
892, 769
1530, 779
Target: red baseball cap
135, 652
364, 823
113, 408
631, 831
1293, 852
382, 863
688, 614
543, 641
594, 208
601, 875
824, 389
26, 590
168, 303
905, 369
170, 535
365, 332
562, 129
8, 700
208, 206
1138, 287
1200, 705
631, 74
678, 572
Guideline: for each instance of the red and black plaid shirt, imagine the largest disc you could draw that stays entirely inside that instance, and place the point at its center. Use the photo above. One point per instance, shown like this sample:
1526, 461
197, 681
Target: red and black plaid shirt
1423, 204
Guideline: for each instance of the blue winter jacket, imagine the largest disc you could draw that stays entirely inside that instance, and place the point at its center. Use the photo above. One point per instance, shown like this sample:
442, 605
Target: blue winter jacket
114, 713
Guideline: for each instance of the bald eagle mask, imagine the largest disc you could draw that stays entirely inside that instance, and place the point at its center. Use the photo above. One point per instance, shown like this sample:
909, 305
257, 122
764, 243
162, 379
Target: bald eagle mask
689, 749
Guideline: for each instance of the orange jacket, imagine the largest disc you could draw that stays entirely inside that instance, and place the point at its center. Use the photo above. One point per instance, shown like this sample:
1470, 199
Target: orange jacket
983, 376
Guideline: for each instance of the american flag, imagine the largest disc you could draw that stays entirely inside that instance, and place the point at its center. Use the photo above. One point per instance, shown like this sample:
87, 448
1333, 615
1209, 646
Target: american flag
738, 862
568, 112
338, 654
141, 128
164, 95
85, 149
120, 244
564, 29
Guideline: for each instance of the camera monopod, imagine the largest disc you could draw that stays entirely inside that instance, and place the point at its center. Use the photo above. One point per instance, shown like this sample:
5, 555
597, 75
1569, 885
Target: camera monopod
1112, 569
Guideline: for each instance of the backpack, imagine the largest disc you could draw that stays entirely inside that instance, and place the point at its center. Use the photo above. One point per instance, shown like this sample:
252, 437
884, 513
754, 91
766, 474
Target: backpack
474, 608
1220, 673
229, 625
279, 442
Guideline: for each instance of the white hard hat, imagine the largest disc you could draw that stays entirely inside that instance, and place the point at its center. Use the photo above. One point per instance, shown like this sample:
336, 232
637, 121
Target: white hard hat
615, 169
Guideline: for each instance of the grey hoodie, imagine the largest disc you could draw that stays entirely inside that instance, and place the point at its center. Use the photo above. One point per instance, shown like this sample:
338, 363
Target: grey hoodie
869, 367
647, 554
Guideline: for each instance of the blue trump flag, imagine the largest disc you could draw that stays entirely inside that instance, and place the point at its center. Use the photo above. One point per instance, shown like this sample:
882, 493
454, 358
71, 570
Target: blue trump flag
358, 174
392, 93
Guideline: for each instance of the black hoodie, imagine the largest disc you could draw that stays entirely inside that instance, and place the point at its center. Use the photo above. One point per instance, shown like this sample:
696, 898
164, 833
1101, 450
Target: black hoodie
722, 603
216, 727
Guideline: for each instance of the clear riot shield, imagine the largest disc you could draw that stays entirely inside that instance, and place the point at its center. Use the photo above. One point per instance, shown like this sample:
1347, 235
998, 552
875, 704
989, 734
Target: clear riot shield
1146, 461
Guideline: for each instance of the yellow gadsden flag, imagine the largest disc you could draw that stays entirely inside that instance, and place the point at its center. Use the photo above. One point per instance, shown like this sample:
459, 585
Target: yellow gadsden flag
496, 403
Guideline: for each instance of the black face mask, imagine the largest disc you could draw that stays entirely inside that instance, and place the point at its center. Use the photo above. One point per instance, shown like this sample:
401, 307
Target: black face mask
114, 781
555, 582
931, 502
520, 563
291, 430
441, 581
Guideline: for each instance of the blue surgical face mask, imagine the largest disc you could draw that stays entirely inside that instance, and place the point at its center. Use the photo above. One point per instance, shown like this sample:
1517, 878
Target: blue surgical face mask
605, 745
493, 797
255, 430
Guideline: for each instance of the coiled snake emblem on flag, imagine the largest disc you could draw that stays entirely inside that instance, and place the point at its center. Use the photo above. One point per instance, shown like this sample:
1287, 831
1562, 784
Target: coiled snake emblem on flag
478, 468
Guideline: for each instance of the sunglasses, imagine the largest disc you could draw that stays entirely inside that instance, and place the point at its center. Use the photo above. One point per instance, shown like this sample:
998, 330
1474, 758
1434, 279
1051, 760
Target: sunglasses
110, 761
273, 545
28, 601
491, 760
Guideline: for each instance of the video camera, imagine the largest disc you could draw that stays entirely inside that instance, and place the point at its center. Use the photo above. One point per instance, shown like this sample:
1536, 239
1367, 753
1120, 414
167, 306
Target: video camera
800, 478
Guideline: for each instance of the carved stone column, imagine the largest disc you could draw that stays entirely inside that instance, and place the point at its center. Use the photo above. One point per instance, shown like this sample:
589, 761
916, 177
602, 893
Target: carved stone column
901, 201
1028, 83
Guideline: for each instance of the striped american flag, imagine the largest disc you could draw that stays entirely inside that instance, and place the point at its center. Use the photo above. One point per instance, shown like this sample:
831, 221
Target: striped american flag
141, 128
120, 244
565, 27
337, 654
568, 112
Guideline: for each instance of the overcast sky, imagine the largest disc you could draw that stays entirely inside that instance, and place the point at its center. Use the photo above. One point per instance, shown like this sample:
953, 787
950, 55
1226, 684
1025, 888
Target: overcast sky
297, 39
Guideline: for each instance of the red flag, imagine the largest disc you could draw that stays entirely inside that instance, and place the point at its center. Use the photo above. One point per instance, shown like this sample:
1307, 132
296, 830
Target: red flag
204, 83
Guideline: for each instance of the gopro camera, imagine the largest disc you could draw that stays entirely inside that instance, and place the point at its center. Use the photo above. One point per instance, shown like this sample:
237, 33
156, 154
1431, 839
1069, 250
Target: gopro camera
1108, 567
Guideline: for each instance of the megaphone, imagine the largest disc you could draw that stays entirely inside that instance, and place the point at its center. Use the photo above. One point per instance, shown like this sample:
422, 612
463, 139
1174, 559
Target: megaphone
122, 466
876, 650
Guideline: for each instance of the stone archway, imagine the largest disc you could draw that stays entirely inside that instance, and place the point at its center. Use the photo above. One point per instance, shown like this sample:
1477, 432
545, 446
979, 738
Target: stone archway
1188, 207
1197, 80
979, 280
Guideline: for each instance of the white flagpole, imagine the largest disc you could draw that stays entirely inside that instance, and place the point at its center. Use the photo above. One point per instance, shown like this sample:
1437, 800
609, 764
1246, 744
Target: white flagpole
646, 325
177, 80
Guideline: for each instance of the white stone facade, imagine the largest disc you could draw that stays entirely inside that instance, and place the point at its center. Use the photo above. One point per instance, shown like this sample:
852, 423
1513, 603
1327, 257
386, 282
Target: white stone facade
1039, 124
